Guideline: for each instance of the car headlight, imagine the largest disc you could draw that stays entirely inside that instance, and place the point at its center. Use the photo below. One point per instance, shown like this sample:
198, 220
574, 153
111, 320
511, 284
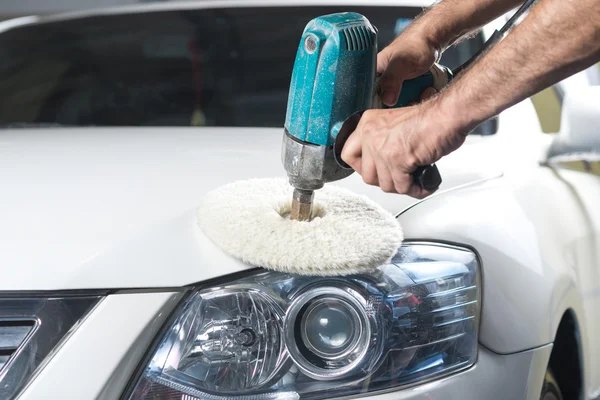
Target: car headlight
274, 335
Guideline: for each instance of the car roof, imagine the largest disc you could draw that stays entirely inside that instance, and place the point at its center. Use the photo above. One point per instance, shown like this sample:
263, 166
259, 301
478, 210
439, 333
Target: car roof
167, 5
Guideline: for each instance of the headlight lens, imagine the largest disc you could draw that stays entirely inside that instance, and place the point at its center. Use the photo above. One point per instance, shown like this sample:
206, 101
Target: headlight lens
273, 335
328, 333
226, 341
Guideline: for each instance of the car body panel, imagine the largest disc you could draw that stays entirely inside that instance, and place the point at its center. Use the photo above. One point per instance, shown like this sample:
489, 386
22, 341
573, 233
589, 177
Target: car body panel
114, 208
494, 377
535, 268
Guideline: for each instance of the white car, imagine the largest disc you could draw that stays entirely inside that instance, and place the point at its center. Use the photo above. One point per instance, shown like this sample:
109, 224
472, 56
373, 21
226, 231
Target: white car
109, 290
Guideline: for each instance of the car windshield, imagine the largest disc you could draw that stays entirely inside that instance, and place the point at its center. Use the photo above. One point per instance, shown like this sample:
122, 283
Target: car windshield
212, 67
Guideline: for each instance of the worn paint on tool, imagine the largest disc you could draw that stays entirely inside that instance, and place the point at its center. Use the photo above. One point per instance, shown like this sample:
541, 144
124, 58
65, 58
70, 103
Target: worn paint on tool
332, 79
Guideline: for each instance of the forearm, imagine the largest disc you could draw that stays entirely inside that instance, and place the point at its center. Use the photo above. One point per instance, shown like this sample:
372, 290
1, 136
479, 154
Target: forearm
557, 39
449, 20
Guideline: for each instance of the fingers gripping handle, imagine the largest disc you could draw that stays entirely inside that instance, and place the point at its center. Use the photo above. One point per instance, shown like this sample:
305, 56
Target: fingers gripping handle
427, 176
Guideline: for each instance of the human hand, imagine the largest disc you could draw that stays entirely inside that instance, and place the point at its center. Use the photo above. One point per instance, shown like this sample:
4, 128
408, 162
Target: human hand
388, 145
407, 57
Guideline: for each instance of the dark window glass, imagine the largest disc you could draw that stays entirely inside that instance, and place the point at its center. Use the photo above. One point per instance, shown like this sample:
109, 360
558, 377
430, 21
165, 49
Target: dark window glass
158, 68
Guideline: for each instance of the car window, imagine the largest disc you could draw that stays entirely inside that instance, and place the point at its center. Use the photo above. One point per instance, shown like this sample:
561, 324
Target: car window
213, 67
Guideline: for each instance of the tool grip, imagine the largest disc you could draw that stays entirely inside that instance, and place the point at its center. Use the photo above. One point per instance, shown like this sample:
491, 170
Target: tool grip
437, 77
413, 88
427, 176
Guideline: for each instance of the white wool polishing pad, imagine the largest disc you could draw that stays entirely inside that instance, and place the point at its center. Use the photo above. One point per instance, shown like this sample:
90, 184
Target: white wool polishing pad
348, 233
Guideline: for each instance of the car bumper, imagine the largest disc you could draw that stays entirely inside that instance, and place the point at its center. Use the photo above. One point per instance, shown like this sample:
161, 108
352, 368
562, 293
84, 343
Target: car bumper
516, 376
98, 359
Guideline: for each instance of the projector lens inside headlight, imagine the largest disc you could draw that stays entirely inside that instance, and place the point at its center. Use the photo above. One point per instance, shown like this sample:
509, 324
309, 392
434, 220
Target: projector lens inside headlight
272, 335
330, 328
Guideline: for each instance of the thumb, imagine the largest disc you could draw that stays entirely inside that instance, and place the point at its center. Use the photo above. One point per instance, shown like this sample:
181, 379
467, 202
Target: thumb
427, 93
383, 59
394, 72
352, 152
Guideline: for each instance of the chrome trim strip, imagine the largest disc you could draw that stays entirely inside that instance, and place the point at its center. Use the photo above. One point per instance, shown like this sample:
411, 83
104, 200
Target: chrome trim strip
13, 333
53, 318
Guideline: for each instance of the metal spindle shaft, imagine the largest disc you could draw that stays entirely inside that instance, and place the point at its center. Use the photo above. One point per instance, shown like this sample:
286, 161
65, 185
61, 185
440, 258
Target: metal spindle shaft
302, 201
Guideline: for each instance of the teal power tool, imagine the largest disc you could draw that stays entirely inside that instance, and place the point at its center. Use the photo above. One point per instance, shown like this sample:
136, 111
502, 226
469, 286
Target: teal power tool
333, 82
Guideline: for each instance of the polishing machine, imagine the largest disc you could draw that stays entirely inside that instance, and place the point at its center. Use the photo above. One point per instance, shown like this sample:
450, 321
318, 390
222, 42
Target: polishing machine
333, 82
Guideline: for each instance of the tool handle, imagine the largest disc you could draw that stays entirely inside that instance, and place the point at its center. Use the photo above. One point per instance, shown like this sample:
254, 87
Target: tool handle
428, 177
437, 77
413, 88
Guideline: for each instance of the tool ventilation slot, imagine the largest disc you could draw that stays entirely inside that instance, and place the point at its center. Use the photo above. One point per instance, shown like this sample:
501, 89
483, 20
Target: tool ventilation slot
358, 38
12, 335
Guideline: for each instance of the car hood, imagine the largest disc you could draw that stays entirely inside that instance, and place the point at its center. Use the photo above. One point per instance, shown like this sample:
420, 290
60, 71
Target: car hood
114, 208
